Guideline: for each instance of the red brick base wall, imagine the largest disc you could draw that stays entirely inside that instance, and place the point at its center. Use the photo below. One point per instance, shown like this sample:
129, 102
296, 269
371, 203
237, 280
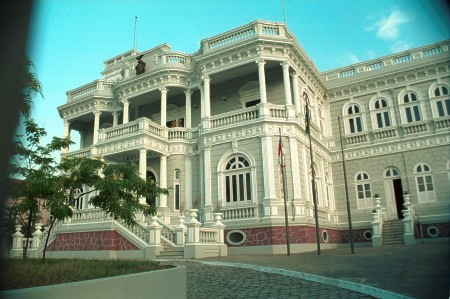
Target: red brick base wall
444, 230
297, 235
85, 241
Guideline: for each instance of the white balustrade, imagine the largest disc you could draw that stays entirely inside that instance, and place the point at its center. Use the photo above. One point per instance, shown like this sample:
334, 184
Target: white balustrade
278, 112
415, 128
377, 224
208, 235
442, 123
239, 213
354, 139
234, 117
408, 221
100, 86
382, 134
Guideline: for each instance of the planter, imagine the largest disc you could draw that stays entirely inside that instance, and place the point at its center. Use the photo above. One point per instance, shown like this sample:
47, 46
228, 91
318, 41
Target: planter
167, 283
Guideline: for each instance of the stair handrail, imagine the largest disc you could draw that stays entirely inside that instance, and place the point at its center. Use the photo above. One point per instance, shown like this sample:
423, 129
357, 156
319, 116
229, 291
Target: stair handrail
168, 233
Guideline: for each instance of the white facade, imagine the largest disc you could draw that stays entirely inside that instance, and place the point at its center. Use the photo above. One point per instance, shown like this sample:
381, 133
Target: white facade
207, 127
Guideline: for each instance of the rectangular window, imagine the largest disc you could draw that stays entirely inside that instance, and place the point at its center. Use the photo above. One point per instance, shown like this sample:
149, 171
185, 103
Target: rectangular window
248, 186
367, 187
360, 191
386, 119
408, 114
447, 105
177, 197
241, 187
359, 124
416, 113
379, 120
352, 125
420, 184
429, 182
440, 108
227, 188
234, 183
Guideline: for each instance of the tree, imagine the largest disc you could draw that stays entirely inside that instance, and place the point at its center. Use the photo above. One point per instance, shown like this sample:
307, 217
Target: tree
30, 86
55, 186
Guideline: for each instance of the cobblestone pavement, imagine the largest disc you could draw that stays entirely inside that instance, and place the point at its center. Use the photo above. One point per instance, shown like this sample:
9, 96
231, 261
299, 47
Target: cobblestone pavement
212, 281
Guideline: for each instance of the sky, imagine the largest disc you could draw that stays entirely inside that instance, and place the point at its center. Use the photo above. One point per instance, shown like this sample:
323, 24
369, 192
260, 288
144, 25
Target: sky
70, 39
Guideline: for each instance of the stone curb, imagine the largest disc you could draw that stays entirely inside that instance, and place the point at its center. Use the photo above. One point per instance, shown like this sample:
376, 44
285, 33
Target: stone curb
356, 287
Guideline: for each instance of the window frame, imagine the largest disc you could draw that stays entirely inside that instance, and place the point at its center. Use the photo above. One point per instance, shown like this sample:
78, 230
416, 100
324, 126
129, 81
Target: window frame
354, 118
363, 184
423, 178
242, 174
412, 109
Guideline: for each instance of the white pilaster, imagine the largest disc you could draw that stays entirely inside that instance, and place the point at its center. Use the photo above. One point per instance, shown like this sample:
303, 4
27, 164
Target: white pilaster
142, 169
306, 166
295, 169
125, 111
208, 209
96, 125
287, 83
268, 168
163, 180
163, 106
262, 80
296, 92
202, 101
82, 135
188, 182
188, 94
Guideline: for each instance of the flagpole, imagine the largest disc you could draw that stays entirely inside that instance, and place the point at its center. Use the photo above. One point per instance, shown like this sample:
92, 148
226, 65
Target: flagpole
349, 214
134, 36
283, 175
316, 215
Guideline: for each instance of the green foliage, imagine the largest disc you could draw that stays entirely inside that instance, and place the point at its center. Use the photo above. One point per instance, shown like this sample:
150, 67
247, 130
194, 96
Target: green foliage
56, 186
30, 273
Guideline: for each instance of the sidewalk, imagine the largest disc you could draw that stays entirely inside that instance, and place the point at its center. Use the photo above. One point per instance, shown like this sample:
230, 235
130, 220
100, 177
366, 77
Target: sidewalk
418, 271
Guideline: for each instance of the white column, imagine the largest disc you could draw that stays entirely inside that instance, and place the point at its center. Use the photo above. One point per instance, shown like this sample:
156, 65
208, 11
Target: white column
202, 102
188, 182
142, 169
82, 135
188, 94
268, 168
295, 168
296, 92
262, 80
306, 167
125, 111
163, 106
207, 96
66, 134
96, 125
115, 118
163, 180
287, 83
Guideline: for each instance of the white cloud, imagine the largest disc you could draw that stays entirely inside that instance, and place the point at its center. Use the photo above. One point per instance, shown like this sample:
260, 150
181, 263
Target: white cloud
400, 46
349, 59
388, 27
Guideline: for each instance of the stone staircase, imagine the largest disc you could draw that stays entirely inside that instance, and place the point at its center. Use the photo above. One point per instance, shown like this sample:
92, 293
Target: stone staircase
169, 252
393, 232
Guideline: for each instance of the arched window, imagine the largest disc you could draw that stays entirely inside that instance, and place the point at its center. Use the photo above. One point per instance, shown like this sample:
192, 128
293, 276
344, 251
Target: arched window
176, 188
391, 172
354, 119
381, 113
411, 107
441, 101
238, 182
363, 190
424, 183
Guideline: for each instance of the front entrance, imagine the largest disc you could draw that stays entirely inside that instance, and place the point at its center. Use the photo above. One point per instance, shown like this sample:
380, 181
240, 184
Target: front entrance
394, 193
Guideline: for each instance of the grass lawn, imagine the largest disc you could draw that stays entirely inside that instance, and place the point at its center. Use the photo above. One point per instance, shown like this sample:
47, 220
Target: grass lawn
18, 273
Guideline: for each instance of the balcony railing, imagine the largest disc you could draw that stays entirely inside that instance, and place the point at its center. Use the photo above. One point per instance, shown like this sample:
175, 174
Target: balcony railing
234, 117
231, 213
243, 33
415, 128
98, 87
386, 133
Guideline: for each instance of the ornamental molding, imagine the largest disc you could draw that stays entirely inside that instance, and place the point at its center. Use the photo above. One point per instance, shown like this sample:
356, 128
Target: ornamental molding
236, 134
397, 147
137, 143
86, 106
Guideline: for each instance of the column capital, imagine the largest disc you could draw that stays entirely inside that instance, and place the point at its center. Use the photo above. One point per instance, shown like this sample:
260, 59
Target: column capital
294, 74
163, 90
67, 122
260, 61
97, 113
206, 78
188, 92
125, 102
285, 64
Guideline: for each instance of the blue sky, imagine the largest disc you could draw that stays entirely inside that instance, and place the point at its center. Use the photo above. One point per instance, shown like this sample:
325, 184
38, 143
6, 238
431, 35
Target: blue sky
70, 39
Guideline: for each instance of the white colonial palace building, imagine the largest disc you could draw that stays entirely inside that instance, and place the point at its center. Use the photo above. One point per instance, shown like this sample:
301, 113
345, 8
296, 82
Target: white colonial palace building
207, 126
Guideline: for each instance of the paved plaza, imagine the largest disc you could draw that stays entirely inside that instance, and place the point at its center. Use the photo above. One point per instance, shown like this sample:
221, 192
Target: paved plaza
416, 271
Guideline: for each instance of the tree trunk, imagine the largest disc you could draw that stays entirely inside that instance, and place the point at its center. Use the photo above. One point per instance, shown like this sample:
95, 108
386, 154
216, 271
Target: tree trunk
27, 234
47, 238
